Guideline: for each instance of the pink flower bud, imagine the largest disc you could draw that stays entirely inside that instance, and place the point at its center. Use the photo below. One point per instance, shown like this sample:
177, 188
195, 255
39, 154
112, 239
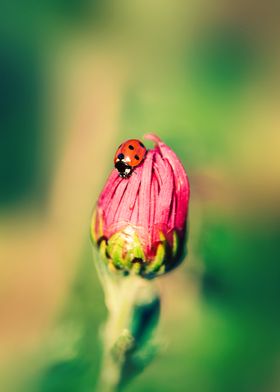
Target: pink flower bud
139, 222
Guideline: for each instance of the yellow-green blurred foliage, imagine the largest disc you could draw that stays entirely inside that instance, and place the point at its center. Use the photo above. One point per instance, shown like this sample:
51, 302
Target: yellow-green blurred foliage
77, 77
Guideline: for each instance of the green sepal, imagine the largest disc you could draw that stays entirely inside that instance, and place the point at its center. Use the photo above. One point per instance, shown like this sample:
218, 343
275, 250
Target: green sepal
136, 268
103, 251
122, 252
134, 251
175, 243
162, 269
155, 265
115, 249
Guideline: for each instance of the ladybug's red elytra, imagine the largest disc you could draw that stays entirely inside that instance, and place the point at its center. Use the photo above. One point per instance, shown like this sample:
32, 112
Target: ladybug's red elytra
128, 156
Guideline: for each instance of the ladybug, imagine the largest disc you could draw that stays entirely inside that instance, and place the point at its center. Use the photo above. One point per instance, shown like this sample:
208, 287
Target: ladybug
128, 156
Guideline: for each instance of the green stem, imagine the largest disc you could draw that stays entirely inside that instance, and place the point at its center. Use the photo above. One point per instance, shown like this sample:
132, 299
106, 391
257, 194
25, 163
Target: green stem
122, 295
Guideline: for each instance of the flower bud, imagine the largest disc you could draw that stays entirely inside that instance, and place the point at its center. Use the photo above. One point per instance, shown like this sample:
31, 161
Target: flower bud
139, 222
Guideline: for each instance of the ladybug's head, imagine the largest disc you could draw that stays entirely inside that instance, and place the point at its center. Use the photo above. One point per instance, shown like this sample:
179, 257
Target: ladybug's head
123, 168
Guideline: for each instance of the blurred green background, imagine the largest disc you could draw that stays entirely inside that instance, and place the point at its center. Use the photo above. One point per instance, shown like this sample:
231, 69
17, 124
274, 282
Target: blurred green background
77, 77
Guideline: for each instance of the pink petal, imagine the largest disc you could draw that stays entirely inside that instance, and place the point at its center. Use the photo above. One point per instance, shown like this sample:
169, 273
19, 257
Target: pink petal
124, 212
154, 138
165, 194
135, 211
153, 206
181, 184
112, 208
144, 194
109, 189
173, 210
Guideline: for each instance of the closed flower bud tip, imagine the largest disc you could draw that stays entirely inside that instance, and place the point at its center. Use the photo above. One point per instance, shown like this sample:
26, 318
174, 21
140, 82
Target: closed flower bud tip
139, 222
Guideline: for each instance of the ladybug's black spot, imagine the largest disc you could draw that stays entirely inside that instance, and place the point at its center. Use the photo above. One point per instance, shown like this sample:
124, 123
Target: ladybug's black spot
131, 147
136, 157
121, 156
141, 144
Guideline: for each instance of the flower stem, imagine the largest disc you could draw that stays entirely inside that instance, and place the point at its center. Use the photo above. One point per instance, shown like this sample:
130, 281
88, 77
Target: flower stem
124, 296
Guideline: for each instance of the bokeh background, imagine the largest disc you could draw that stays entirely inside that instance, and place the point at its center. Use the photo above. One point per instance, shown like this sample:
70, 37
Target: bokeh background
77, 77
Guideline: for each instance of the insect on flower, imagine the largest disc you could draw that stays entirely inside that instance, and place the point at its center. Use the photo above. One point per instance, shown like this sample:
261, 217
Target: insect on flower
139, 223
128, 156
